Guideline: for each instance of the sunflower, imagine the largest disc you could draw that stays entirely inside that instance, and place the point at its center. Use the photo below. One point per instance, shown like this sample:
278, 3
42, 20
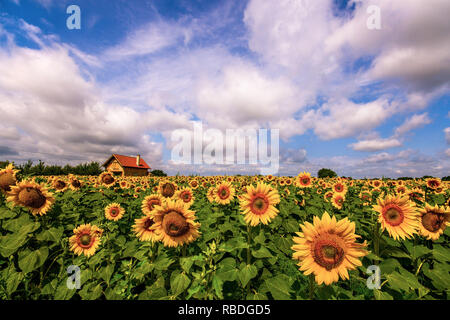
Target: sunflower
31, 195
7, 178
149, 203
328, 248
143, 229
193, 184
114, 211
433, 221
398, 215
210, 194
433, 183
338, 200
376, 183
416, 194
401, 190
74, 183
328, 195
258, 204
303, 180
175, 223
224, 193
124, 184
107, 179
167, 189
60, 185
85, 240
339, 187
186, 195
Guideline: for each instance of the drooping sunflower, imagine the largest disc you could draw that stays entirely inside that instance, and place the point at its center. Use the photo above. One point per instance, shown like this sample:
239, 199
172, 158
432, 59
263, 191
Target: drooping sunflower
186, 195
433, 221
114, 211
175, 223
338, 200
416, 194
258, 204
7, 178
303, 180
31, 195
107, 179
60, 185
210, 194
167, 188
85, 240
328, 249
74, 183
224, 193
143, 229
398, 215
433, 183
150, 202
328, 196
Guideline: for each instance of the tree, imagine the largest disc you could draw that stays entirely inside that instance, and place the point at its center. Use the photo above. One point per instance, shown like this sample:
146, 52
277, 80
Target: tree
326, 173
158, 173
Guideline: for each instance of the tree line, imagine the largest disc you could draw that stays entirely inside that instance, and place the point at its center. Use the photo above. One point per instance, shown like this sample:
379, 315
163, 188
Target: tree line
41, 169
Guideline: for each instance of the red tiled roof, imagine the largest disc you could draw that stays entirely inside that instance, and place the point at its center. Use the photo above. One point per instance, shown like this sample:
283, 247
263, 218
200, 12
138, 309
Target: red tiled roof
130, 162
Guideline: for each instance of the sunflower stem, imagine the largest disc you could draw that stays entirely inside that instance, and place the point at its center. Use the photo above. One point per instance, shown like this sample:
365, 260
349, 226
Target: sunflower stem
249, 257
311, 287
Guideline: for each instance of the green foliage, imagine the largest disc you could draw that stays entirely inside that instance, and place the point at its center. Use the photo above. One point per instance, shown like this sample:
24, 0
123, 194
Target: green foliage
41, 169
326, 173
158, 173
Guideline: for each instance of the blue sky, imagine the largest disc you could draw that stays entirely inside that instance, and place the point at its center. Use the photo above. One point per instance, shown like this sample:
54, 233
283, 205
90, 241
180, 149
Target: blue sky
363, 102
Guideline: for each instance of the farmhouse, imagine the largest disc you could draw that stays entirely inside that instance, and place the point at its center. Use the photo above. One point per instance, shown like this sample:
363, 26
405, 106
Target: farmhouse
126, 166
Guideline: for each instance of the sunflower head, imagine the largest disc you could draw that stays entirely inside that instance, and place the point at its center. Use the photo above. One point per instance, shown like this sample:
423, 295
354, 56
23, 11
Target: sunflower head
433, 183
258, 204
186, 195
303, 180
224, 193
114, 212
433, 221
85, 240
150, 202
175, 223
398, 215
31, 195
338, 200
107, 179
60, 185
167, 188
7, 178
143, 229
328, 249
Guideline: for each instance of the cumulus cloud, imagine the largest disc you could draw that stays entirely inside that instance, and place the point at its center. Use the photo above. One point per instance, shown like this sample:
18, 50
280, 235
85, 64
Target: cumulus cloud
375, 145
416, 121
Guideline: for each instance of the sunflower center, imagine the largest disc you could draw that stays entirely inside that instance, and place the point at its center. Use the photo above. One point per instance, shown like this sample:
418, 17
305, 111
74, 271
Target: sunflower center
186, 196
305, 180
148, 223
108, 179
114, 212
168, 190
6, 181
339, 188
432, 221
76, 183
85, 240
223, 193
393, 215
259, 205
32, 197
328, 253
60, 184
175, 224
151, 203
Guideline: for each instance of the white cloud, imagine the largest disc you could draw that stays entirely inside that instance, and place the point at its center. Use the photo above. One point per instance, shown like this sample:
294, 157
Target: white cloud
375, 145
416, 121
447, 135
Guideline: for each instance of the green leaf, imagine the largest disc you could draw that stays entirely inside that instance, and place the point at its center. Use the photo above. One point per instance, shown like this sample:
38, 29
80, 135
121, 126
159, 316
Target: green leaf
284, 244
246, 273
439, 276
31, 260
380, 295
64, 293
106, 272
291, 225
261, 253
226, 270
13, 281
11, 243
217, 284
52, 234
6, 213
179, 282
162, 263
389, 265
186, 263
279, 287
440, 253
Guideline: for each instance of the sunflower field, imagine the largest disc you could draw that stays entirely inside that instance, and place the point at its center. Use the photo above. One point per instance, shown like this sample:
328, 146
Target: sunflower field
223, 237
